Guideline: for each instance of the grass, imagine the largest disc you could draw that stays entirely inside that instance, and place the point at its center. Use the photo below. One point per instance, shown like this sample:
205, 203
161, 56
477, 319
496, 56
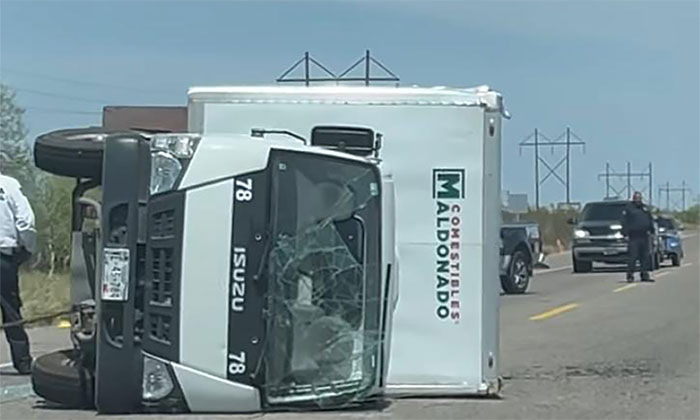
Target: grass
43, 295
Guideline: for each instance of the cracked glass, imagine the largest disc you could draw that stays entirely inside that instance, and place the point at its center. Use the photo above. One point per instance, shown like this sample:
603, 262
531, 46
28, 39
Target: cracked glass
324, 281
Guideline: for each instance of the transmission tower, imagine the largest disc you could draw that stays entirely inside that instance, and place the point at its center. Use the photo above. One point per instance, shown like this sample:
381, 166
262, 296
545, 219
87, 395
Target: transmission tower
308, 63
683, 189
629, 176
537, 140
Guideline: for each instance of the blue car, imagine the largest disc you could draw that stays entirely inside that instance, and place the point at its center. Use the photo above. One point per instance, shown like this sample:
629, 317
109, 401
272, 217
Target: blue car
672, 245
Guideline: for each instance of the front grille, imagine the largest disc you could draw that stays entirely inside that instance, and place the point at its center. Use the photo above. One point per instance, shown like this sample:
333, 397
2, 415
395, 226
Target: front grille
600, 231
163, 256
163, 224
162, 272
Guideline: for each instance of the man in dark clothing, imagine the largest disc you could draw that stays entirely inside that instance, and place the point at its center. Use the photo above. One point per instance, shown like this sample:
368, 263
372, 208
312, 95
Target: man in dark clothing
637, 224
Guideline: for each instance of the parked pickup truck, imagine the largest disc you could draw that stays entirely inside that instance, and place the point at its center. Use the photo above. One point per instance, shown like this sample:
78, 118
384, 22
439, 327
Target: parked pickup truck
521, 250
598, 237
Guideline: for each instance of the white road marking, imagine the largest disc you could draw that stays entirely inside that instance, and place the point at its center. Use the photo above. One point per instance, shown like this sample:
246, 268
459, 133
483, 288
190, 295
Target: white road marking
552, 270
662, 274
686, 265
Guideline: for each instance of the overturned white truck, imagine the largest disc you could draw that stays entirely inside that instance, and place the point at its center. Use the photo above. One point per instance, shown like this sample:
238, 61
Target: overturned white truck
442, 147
244, 274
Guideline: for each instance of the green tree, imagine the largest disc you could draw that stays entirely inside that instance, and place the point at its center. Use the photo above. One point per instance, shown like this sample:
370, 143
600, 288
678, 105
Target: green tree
50, 196
15, 155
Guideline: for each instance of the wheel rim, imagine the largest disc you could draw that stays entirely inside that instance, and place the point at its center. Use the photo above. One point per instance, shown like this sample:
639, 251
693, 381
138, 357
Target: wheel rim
519, 272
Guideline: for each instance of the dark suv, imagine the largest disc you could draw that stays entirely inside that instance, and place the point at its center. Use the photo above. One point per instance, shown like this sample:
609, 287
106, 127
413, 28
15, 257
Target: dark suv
598, 237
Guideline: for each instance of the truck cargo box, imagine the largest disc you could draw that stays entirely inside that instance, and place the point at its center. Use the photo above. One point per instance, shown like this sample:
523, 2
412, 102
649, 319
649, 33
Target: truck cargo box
443, 147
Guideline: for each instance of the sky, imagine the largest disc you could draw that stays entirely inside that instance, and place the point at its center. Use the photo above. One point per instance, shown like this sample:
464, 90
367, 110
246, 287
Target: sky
623, 75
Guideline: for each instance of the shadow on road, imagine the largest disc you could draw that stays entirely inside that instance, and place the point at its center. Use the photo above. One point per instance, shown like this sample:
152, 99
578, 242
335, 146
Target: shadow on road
11, 372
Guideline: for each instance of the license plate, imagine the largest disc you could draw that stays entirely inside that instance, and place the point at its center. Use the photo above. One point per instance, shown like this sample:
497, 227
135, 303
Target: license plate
115, 277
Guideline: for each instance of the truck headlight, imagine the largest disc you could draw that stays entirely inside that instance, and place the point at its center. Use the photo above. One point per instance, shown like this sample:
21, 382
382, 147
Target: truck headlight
168, 154
580, 233
165, 169
157, 383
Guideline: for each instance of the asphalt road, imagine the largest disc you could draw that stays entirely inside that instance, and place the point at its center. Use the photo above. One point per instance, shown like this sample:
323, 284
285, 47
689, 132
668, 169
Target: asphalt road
576, 346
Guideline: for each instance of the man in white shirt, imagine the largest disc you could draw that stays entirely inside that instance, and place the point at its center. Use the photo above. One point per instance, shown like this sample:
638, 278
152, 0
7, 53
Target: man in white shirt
17, 243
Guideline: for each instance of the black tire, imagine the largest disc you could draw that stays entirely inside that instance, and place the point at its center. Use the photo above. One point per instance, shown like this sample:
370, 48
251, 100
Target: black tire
75, 153
59, 378
582, 266
676, 260
518, 277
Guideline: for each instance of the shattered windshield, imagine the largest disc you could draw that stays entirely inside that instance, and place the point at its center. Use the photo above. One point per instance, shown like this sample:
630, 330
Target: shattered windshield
324, 279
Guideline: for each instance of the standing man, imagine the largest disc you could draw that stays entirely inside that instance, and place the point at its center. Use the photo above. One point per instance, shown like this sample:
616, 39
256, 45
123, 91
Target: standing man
638, 224
17, 240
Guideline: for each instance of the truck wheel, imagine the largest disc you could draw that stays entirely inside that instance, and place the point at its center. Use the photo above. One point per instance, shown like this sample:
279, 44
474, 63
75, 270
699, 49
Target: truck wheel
75, 153
582, 266
59, 377
518, 277
675, 260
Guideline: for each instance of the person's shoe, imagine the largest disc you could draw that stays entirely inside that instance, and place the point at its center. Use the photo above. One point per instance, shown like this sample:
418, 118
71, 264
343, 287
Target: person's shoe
630, 279
647, 279
24, 366
21, 358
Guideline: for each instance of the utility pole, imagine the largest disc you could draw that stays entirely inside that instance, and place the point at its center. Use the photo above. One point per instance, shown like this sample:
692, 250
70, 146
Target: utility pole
629, 180
568, 167
566, 139
607, 179
683, 189
629, 176
537, 172
651, 187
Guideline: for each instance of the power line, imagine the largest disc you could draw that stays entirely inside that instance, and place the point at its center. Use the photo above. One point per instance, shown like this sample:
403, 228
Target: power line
61, 111
56, 95
83, 82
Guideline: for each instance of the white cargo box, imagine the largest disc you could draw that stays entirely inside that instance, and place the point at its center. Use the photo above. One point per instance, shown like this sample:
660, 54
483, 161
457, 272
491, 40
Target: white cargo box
443, 148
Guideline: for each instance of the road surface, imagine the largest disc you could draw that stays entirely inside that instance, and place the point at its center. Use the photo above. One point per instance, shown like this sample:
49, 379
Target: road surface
576, 346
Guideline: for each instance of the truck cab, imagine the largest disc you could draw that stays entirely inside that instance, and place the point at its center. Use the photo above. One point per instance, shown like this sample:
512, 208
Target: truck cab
228, 273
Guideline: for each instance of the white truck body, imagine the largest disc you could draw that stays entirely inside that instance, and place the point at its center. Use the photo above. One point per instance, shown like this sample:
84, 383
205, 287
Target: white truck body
443, 148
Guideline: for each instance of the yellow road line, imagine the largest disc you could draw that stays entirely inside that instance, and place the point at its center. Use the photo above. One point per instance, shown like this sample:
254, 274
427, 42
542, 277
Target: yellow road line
662, 274
63, 324
554, 312
625, 287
